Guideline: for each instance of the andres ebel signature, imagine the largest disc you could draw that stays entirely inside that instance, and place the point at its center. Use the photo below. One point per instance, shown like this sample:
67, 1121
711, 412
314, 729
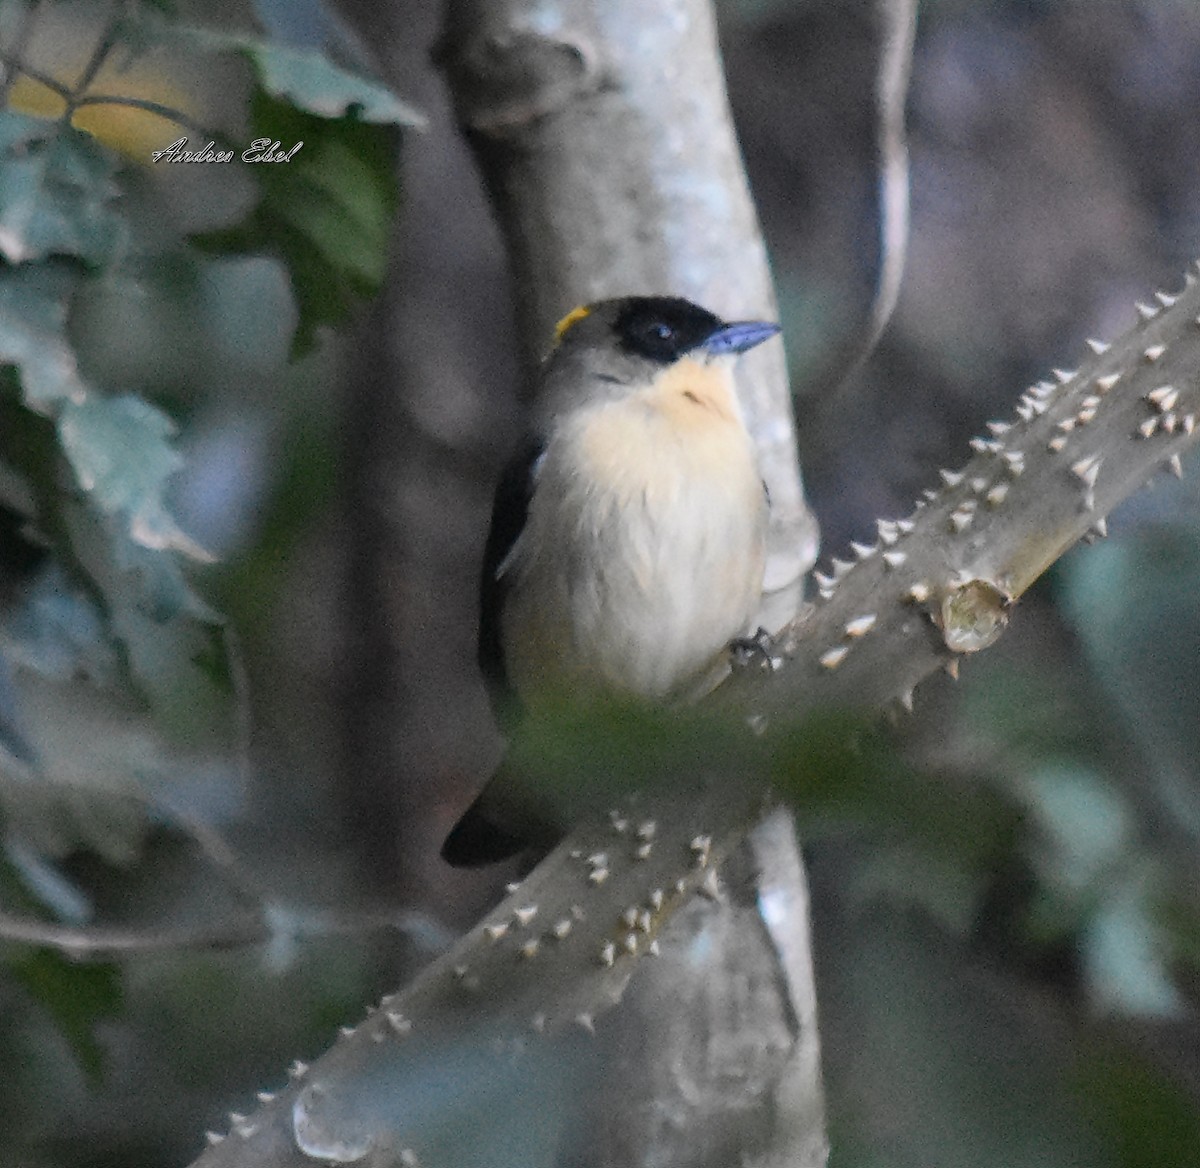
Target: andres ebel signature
260, 150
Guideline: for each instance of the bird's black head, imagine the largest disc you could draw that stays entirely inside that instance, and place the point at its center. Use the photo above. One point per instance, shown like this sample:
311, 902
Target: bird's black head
662, 328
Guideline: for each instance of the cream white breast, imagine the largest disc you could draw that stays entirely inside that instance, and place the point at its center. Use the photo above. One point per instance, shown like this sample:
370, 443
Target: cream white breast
642, 554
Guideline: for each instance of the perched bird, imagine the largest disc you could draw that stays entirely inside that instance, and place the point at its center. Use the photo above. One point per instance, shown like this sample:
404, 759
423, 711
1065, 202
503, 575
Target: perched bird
628, 534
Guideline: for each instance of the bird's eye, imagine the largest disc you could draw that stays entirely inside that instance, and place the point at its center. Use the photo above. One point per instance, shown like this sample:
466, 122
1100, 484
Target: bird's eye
664, 332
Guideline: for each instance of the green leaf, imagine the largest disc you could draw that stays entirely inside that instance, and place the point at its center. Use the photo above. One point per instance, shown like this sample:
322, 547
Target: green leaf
77, 996
56, 632
327, 213
56, 192
120, 451
33, 321
174, 645
308, 80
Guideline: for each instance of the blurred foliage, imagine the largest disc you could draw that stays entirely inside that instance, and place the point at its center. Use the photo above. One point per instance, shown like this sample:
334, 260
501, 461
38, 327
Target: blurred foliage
125, 300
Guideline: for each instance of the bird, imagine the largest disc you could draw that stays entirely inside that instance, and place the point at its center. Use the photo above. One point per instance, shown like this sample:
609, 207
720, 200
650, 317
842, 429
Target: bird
628, 535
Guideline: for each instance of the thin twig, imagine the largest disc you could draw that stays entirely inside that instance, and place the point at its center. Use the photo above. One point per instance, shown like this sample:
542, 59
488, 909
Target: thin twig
104, 46
12, 61
153, 107
898, 21
14, 64
95, 941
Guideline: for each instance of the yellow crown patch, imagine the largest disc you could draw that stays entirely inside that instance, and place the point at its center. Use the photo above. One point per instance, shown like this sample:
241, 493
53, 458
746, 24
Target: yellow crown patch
572, 317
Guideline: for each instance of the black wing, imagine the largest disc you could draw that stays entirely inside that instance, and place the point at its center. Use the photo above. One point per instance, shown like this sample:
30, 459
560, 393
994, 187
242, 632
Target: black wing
479, 837
509, 511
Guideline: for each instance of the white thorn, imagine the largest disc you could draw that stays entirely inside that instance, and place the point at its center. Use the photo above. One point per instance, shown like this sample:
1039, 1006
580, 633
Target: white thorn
861, 550
998, 428
951, 477
1056, 443
959, 521
1164, 299
1086, 414
1064, 375
265, 1096
1146, 429
1145, 311
1105, 383
906, 526
1087, 470
1153, 352
1189, 423
213, 1138
919, 592
951, 667
1097, 347
840, 567
526, 914
1168, 422
1176, 466
893, 559
860, 625
608, 954
906, 700
495, 932
996, 495
1164, 397
832, 658
822, 581
1100, 527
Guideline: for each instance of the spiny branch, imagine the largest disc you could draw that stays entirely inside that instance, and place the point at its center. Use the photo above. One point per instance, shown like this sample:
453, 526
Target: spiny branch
557, 952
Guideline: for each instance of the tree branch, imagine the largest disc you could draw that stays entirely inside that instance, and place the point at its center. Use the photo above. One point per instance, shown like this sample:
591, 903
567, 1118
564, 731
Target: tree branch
1128, 411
